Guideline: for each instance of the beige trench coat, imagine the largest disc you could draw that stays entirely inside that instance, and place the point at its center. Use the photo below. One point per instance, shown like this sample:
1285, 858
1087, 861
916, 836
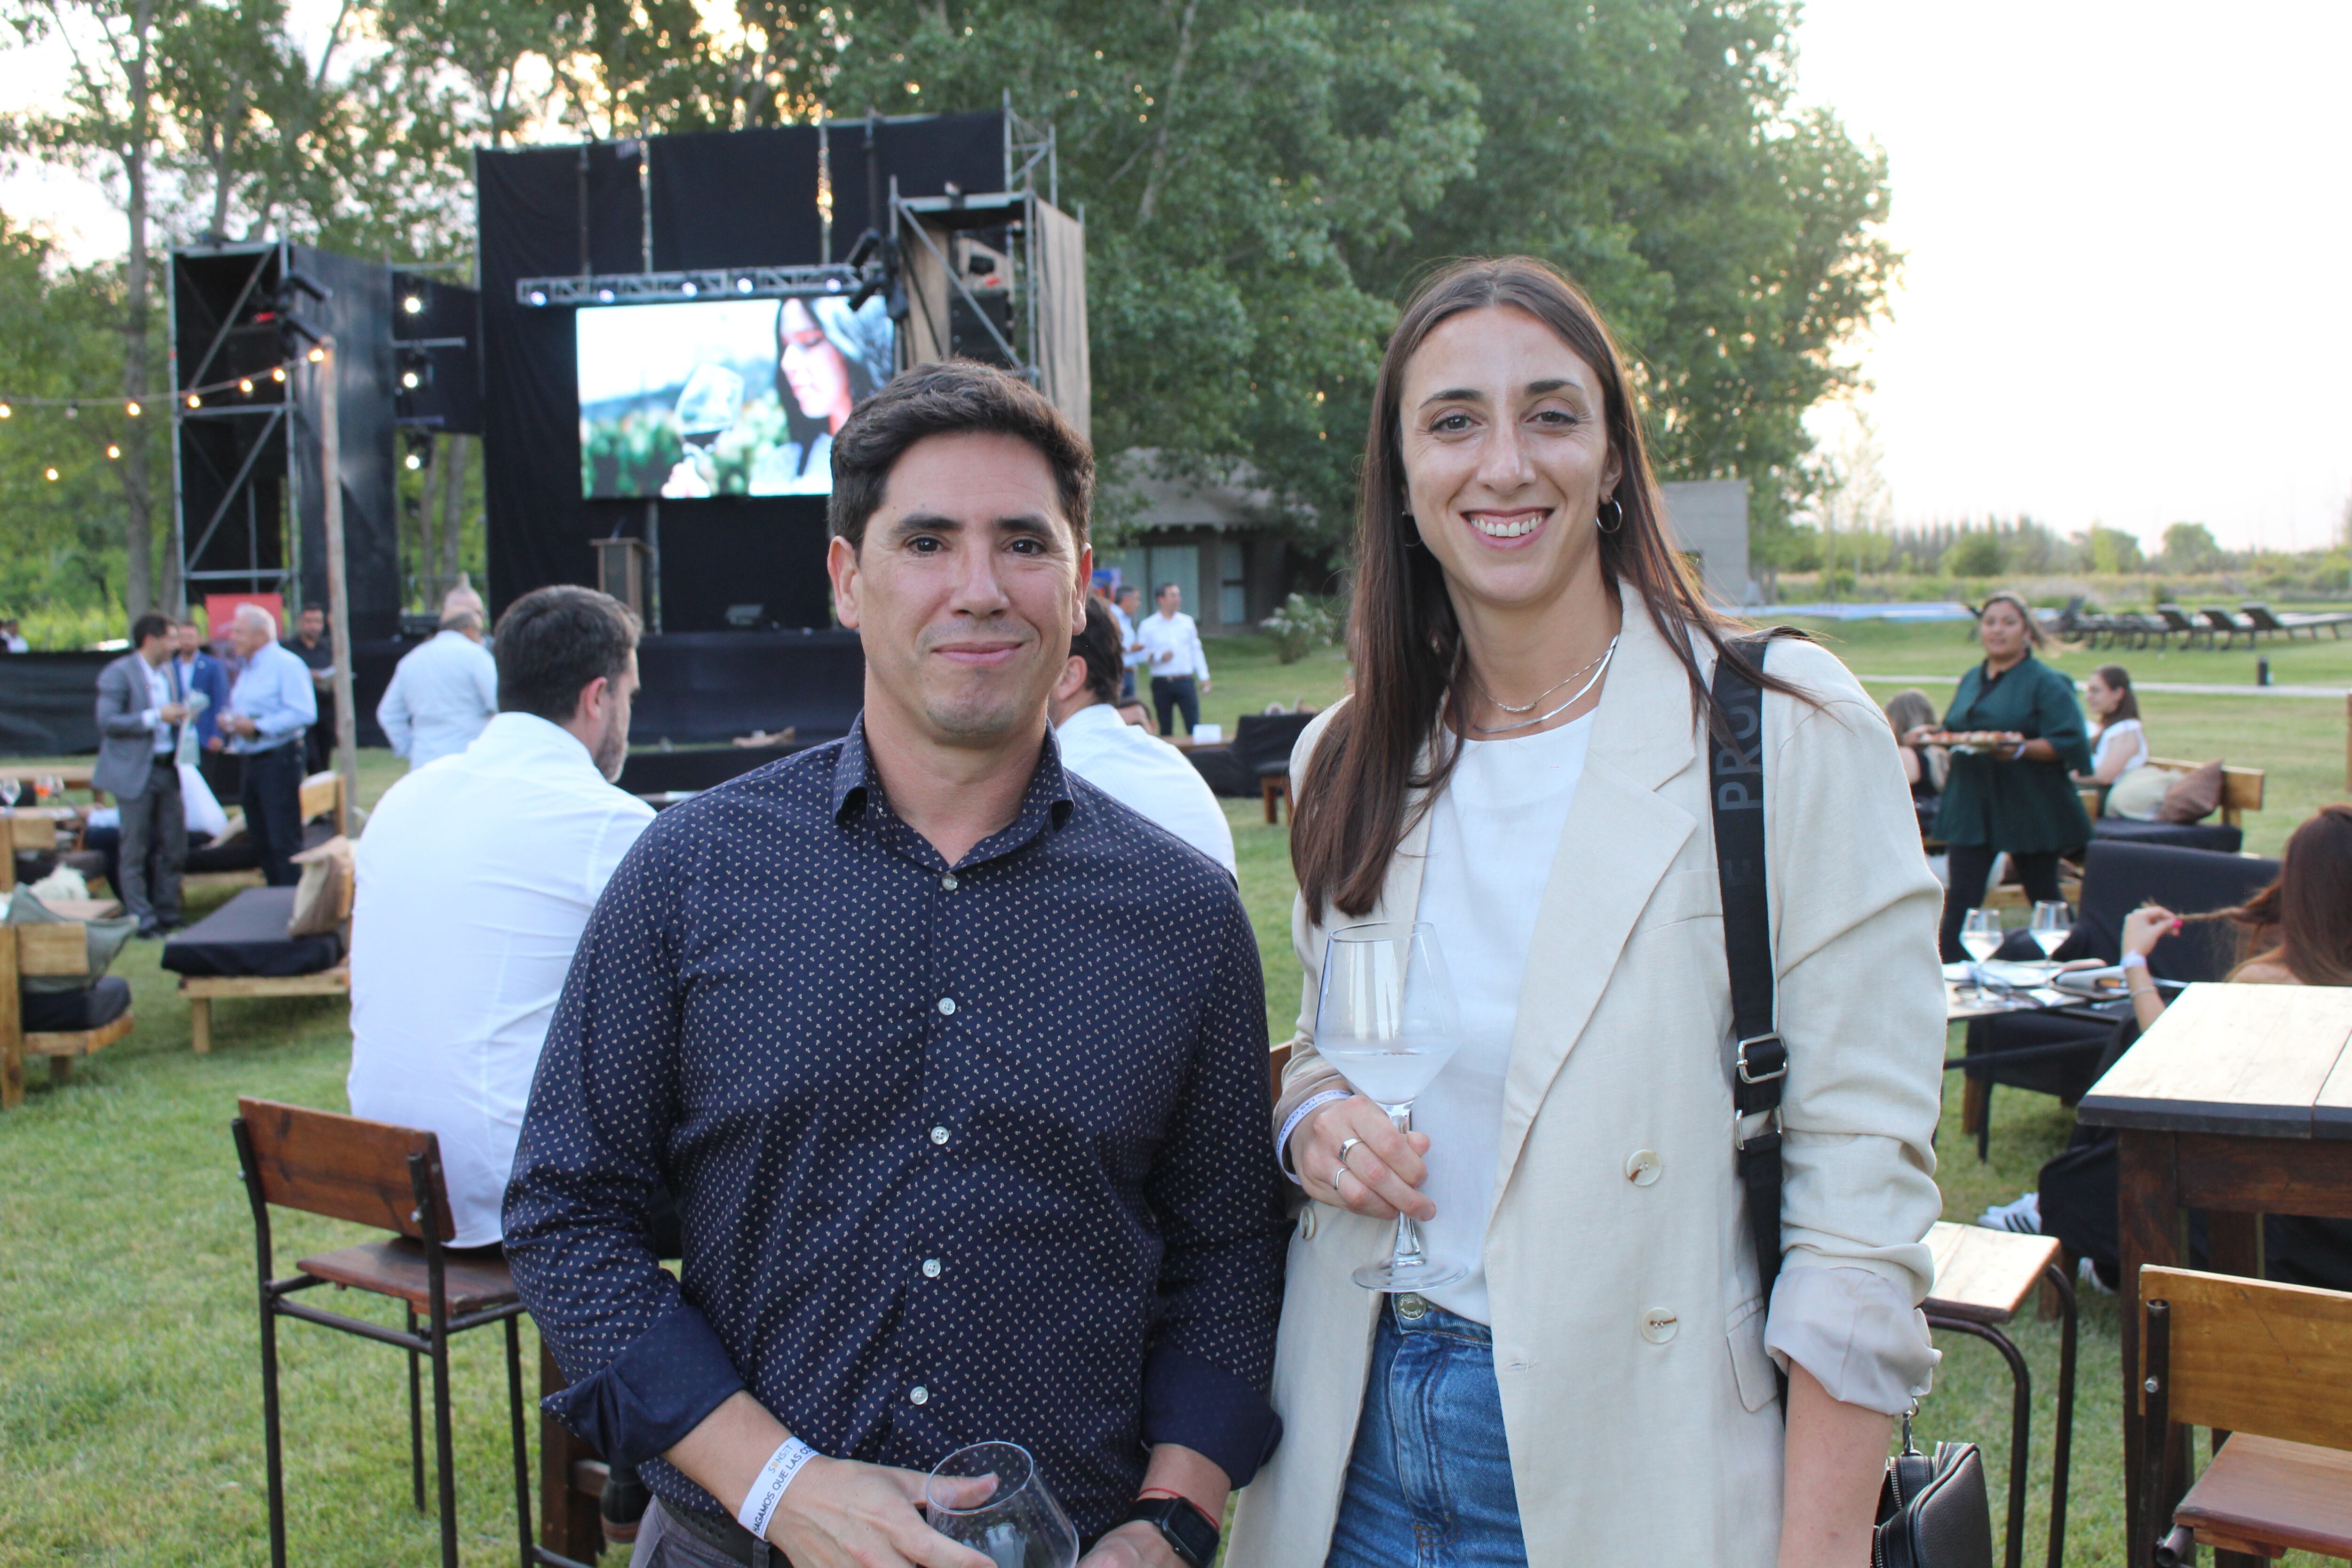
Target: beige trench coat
1637, 1394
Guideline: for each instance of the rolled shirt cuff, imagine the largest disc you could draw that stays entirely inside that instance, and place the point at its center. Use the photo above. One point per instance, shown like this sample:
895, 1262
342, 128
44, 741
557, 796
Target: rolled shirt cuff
1207, 1409
1856, 1332
653, 1392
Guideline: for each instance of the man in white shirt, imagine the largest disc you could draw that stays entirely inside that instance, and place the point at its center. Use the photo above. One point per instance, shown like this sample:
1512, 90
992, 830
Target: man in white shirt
1127, 608
1151, 778
474, 880
444, 691
1171, 651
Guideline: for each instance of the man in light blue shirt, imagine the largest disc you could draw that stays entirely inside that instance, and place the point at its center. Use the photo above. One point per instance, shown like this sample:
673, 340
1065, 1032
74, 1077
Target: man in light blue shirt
269, 708
445, 691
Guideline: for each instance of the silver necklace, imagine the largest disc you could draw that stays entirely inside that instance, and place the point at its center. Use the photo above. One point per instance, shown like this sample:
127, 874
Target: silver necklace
1606, 655
1546, 691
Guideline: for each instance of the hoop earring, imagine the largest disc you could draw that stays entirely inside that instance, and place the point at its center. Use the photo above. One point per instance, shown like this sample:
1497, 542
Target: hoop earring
1615, 510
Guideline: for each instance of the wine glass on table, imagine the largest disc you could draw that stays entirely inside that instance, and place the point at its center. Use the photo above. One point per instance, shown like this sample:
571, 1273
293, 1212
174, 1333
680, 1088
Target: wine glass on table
990, 1498
1387, 1019
40, 789
1981, 937
10, 788
2052, 923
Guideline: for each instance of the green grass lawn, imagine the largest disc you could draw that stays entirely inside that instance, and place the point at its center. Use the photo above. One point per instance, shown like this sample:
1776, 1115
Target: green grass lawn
130, 1403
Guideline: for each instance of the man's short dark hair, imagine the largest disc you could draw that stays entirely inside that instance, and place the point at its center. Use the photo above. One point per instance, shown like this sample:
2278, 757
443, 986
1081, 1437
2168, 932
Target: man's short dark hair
1100, 647
553, 641
949, 399
150, 625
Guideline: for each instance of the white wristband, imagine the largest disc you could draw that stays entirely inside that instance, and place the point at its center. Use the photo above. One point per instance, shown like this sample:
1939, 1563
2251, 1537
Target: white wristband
768, 1490
1282, 1140
2134, 961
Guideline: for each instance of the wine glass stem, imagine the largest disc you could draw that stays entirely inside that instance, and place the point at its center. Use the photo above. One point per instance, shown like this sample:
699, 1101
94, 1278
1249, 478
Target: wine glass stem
1407, 1253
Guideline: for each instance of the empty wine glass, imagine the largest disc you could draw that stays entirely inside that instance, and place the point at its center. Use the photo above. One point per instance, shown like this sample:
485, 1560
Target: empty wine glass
1387, 1020
991, 1498
10, 788
2053, 923
1981, 937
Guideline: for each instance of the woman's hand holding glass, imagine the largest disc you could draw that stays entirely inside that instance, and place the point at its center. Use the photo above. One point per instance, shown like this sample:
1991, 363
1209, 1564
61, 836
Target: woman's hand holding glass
1382, 1172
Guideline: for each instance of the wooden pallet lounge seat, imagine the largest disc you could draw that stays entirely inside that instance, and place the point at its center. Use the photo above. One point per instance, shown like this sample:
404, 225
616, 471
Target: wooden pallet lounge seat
61, 948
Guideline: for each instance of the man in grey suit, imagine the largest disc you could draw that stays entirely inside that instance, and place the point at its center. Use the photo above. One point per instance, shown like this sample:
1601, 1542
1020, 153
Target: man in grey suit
140, 709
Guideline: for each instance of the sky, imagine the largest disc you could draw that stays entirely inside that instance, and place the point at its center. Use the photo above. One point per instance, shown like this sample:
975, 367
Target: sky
2128, 231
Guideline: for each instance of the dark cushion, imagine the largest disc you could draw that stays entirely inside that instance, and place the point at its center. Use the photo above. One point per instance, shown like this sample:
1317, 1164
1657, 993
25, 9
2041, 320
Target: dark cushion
2118, 877
1223, 771
1262, 738
247, 936
2219, 837
71, 1012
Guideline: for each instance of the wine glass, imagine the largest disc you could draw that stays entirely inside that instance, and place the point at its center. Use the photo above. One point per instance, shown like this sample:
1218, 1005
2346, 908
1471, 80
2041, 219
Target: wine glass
2052, 923
10, 788
1387, 1021
990, 1498
1981, 937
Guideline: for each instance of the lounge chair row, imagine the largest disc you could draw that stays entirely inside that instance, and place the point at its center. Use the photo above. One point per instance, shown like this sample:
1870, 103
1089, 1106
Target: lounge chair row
2195, 627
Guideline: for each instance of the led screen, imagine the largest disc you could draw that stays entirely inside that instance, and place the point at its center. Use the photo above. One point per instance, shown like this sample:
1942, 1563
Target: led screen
720, 397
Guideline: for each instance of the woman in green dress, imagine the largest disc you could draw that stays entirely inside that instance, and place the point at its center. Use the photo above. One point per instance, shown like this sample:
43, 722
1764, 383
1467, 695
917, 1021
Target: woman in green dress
2012, 792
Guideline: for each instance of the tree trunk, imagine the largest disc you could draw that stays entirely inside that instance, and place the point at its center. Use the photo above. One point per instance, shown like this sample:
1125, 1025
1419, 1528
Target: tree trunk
138, 524
453, 510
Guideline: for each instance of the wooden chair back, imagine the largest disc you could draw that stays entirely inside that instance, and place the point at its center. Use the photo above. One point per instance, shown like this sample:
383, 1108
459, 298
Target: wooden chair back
2247, 1355
343, 1167
323, 796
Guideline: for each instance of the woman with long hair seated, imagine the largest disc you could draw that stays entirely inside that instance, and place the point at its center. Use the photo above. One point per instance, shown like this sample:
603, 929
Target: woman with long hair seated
1925, 768
2118, 742
2296, 931
1531, 762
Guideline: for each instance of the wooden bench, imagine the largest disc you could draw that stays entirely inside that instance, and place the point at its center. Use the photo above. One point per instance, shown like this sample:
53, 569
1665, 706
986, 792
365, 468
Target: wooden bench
62, 949
202, 990
1982, 1279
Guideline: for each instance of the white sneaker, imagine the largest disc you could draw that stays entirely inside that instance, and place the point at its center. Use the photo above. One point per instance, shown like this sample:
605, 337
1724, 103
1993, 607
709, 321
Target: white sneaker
2023, 1217
2090, 1276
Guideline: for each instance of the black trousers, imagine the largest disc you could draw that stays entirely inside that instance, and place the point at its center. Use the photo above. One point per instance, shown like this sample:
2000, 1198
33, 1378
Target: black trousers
1966, 866
1176, 691
272, 798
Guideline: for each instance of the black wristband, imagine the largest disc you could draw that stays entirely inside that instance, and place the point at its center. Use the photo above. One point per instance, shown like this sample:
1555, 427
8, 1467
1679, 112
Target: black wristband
1187, 1530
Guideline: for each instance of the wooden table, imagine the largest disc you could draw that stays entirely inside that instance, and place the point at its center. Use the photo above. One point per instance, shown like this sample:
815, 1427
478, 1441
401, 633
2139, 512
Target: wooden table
2238, 1101
72, 776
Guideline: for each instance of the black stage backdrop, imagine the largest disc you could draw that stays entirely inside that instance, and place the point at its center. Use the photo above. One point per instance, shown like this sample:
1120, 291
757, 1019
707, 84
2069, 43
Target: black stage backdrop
927, 157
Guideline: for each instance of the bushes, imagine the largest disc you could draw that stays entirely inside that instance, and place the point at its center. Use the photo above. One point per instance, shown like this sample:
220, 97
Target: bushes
1304, 622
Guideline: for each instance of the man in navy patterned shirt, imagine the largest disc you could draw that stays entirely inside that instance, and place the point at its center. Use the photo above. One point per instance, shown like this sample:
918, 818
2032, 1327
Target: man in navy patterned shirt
956, 1067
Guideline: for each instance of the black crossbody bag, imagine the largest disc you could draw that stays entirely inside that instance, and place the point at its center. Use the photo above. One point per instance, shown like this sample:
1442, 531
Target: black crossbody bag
1933, 1510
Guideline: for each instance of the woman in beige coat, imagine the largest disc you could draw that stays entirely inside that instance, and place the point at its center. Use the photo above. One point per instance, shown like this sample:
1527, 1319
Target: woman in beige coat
1524, 765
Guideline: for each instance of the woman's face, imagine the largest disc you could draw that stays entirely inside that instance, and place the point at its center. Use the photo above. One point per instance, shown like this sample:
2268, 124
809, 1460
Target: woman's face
2001, 630
1507, 456
812, 367
2099, 697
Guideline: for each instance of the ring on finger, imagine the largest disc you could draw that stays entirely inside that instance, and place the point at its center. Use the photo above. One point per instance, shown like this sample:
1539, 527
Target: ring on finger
1346, 1145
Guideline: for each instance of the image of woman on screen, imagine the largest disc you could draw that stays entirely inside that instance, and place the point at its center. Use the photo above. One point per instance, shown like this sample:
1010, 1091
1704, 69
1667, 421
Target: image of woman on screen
829, 359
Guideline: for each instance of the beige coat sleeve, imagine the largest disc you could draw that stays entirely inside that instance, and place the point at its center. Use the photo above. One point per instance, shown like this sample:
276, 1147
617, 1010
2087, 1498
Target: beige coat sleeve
1307, 1074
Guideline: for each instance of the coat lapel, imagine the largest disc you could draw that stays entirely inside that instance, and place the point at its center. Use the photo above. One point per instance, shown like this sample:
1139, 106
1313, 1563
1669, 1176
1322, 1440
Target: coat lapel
1622, 837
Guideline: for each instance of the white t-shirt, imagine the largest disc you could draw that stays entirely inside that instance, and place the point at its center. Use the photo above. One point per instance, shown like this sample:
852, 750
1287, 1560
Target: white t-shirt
1147, 775
1492, 834
2124, 736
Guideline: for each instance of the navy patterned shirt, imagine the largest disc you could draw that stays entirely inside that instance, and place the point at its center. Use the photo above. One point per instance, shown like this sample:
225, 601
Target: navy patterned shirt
961, 1152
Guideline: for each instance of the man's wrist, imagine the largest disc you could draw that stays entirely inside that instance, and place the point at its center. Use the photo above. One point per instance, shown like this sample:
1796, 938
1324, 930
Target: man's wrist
1183, 1526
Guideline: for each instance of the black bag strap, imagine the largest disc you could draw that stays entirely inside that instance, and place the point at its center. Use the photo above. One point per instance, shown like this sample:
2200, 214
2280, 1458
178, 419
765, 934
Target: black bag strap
1758, 1064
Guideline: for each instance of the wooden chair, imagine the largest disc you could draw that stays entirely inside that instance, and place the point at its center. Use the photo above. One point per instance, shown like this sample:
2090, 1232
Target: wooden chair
390, 1178
1273, 790
1982, 1279
2268, 1366
62, 949
323, 796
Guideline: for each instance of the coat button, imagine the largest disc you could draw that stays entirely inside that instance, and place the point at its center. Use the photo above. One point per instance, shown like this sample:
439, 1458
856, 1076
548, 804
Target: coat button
1307, 1222
1658, 1325
1642, 1167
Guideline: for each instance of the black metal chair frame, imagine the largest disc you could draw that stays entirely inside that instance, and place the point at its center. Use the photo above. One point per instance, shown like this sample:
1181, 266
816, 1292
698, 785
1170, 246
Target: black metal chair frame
2021, 1419
432, 1345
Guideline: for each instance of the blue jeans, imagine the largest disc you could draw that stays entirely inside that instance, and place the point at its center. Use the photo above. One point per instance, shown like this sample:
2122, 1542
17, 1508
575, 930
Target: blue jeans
1430, 1484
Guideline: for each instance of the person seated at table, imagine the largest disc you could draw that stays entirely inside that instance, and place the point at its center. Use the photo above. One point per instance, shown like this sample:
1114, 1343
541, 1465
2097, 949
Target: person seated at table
2008, 790
2118, 744
1925, 768
1148, 778
2296, 931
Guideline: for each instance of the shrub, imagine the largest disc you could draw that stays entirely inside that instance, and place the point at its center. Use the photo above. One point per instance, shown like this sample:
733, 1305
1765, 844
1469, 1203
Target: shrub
1303, 623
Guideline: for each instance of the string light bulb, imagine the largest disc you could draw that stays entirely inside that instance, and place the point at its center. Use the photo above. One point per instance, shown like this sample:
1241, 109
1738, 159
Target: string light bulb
133, 408
244, 386
409, 379
415, 462
51, 475
112, 452
6, 412
277, 372
195, 402
318, 356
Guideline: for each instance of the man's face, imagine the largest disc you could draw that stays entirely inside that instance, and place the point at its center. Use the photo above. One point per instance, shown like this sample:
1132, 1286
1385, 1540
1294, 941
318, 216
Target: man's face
186, 639
247, 637
1131, 600
968, 589
612, 747
314, 625
1172, 599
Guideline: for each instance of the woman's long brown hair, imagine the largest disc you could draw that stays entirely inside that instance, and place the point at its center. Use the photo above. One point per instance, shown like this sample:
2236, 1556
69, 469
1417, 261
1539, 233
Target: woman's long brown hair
2302, 921
1403, 637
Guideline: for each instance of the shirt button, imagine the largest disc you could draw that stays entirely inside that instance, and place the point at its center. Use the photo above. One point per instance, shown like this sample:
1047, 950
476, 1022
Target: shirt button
1642, 1167
939, 1135
949, 882
918, 1395
947, 1005
930, 1268
1658, 1325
